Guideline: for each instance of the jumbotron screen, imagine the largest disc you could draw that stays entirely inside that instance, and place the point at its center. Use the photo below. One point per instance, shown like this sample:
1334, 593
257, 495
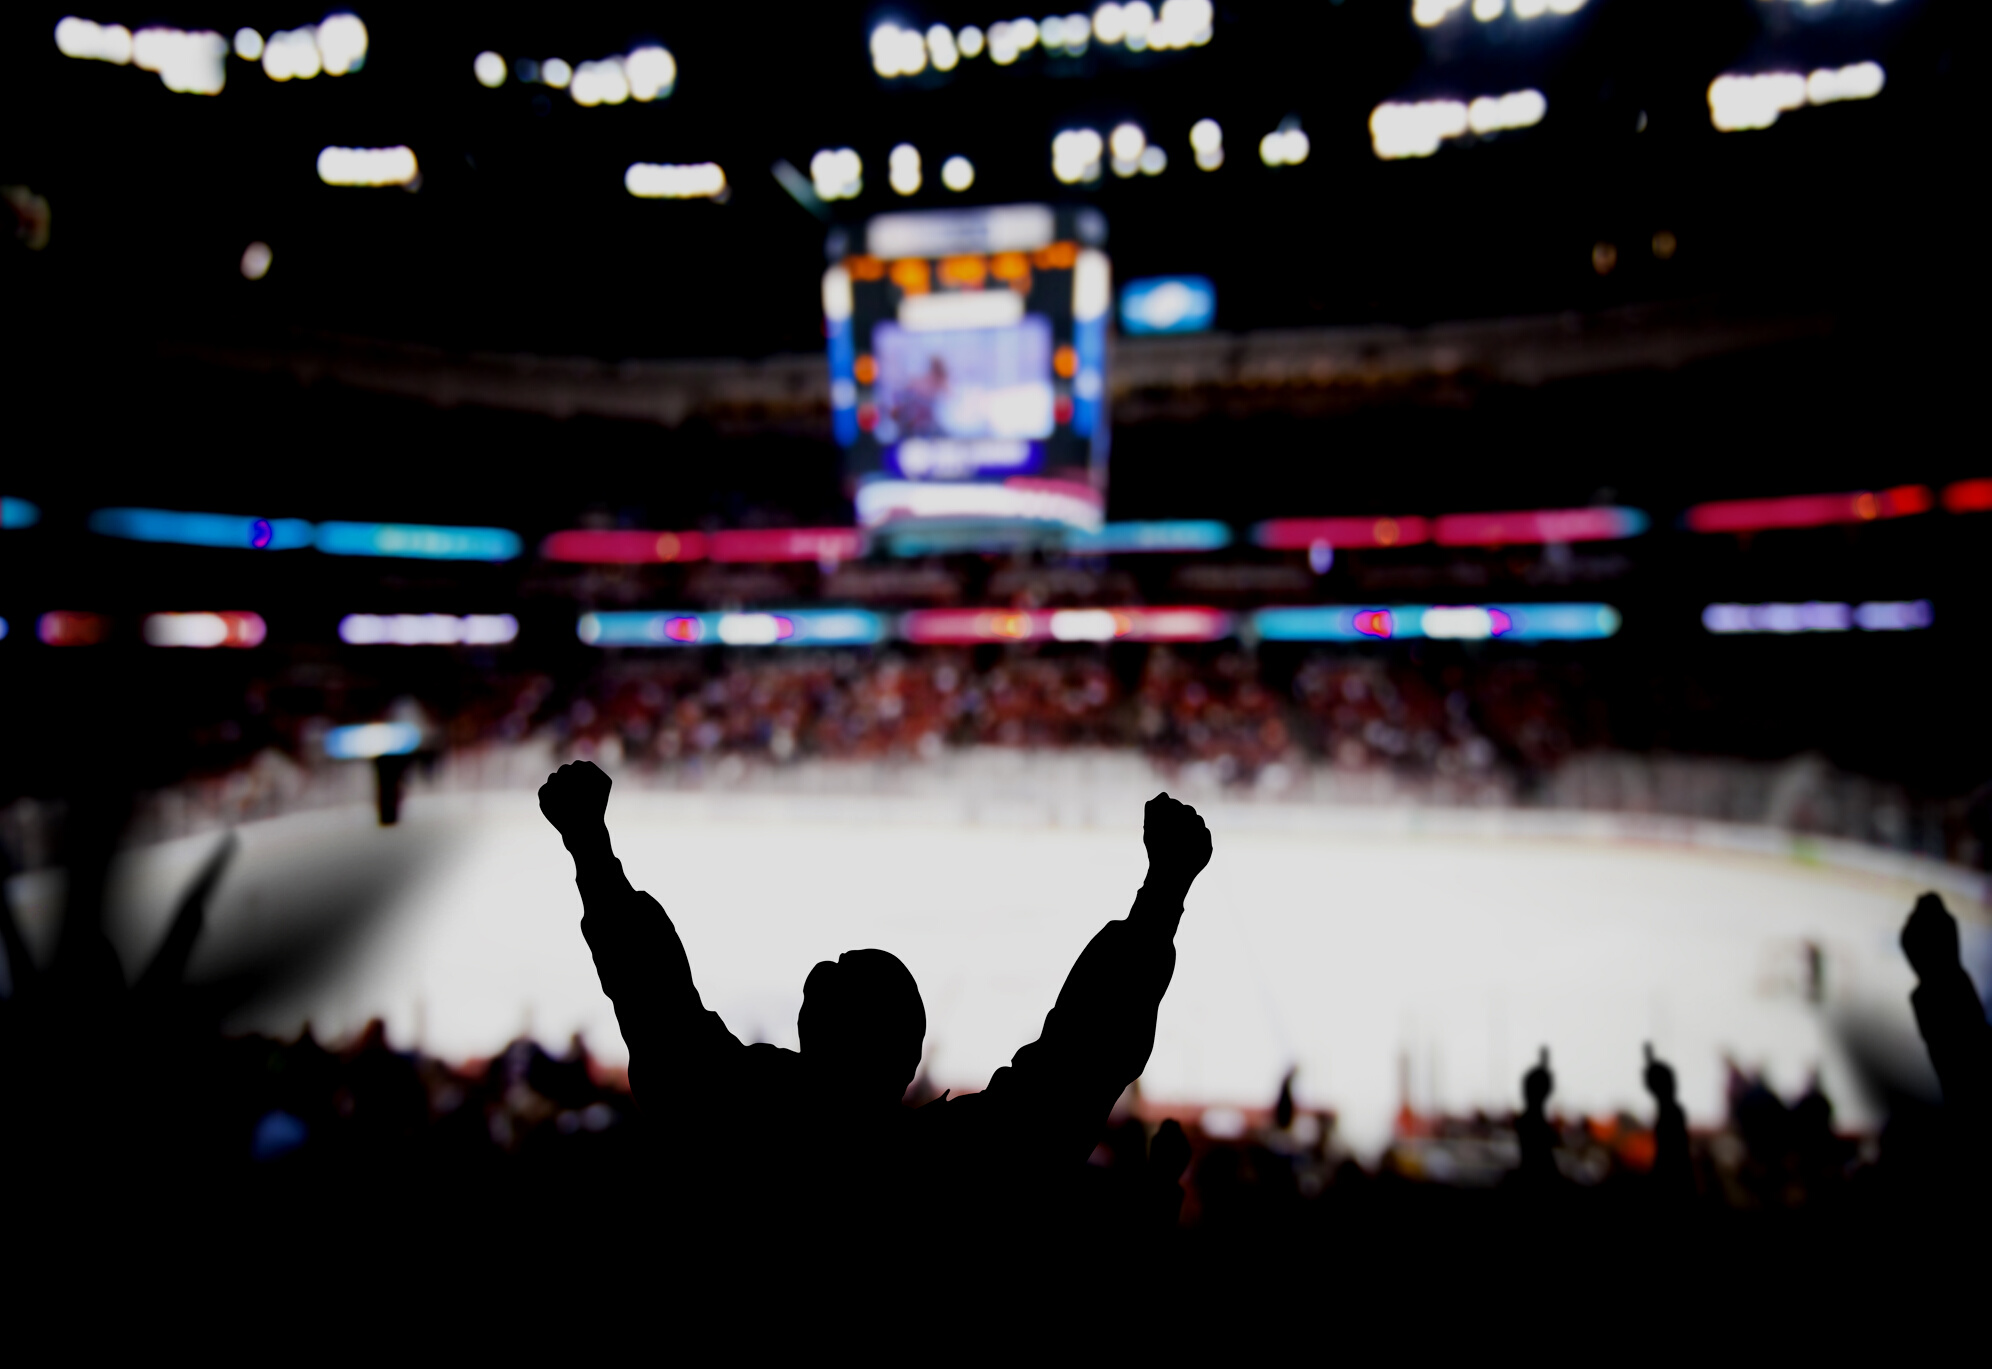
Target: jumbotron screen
968, 371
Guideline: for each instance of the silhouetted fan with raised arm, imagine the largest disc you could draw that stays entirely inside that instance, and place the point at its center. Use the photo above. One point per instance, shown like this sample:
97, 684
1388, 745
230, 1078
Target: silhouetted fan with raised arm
1952, 1020
816, 1143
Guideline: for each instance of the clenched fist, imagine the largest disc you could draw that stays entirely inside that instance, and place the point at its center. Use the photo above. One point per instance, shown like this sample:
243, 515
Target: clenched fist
1929, 938
575, 799
1178, 842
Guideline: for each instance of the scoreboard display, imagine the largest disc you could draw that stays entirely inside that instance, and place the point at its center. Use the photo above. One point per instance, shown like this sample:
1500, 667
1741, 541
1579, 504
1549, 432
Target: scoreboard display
968, 373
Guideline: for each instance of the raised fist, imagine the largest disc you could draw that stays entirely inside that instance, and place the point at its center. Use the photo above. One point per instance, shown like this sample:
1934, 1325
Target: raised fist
1538, 1083
1929, 938
575, 799
1659, 1077
1178, 842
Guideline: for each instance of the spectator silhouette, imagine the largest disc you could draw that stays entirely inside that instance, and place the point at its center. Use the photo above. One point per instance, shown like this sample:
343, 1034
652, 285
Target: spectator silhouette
1673, 1169
823, 1150
1952, 1021
1534, 1130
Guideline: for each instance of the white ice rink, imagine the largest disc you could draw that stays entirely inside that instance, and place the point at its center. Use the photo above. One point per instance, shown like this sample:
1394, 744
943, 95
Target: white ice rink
1364, 947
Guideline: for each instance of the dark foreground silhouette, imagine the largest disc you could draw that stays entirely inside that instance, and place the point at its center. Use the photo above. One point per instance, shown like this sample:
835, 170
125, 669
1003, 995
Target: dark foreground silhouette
821, 1152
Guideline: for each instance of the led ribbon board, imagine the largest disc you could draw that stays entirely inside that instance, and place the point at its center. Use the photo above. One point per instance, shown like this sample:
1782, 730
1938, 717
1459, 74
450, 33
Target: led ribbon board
784, 627
1456, 622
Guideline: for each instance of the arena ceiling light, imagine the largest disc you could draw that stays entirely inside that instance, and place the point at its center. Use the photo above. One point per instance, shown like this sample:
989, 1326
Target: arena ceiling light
1286, 145
187, 61
1739, 102
900, 51
368, 166
837, 173
1809, 510
646, 72
1207, 143
1432, 13
664, 181
1400, 130
1455, 622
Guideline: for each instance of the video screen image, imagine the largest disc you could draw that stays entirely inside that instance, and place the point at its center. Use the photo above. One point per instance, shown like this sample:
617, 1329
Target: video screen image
975, 382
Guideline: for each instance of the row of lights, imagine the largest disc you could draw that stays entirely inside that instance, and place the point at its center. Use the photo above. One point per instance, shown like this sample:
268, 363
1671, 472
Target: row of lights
195, 61
1401, 130
1737, 102
645, 73
1432, 13
1138, 27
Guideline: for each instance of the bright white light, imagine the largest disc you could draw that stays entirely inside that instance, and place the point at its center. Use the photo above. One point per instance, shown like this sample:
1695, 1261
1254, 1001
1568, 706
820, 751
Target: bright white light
969, 40
1024, 33
957, 173
1415, 130
1861, 81
1084, 625
342, 43
1075, 155
898, 52
1565, 6
1736, 103
428, 629
249, 45
1078, 32
954, 311
837, 301
90, 42
204, 629
652, 72
1431, 13
941, 48
1127, 142
187, 63
1154, 161
662, 181
1182, 24
1092, 285
1206, 136
1487, 11
1470, 624
489, 68
1138, 18
556, 73
1108, 25
367, 166
599, 83
256, 259
837, 173
902, 169
1284, 146
1003, 46
291, 54
1517, 109
752, 629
